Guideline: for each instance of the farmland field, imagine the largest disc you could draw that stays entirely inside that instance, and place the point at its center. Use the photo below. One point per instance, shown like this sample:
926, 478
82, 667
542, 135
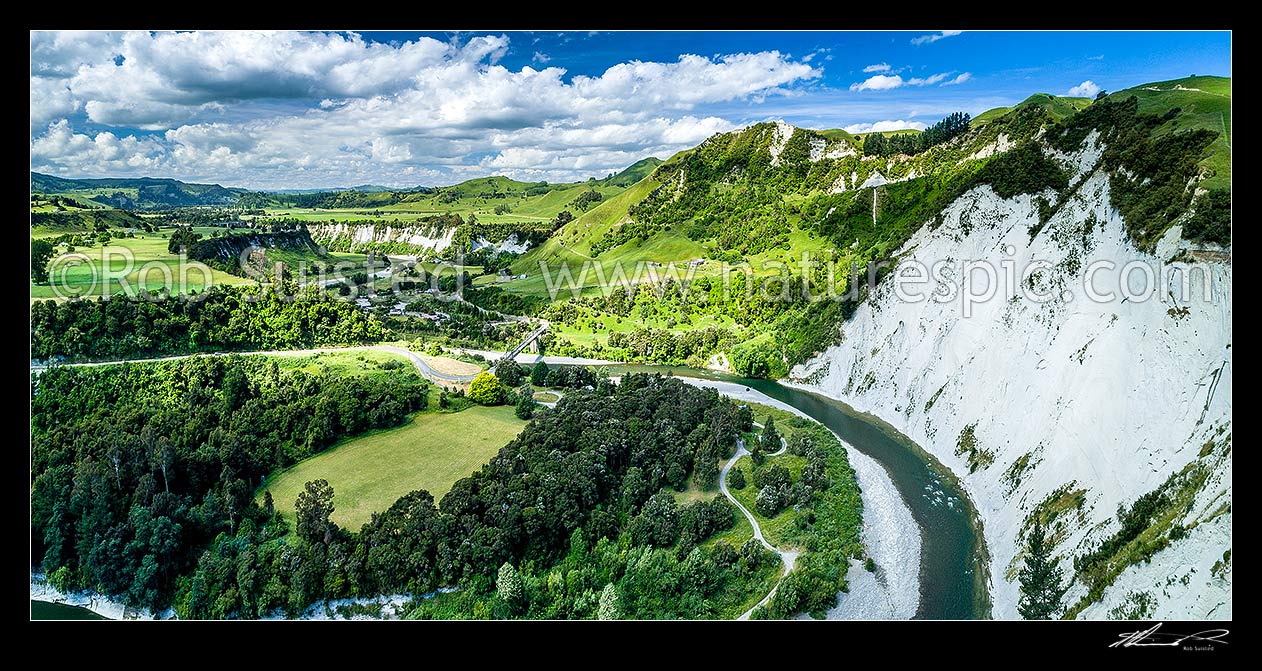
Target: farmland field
431, 451
133, 264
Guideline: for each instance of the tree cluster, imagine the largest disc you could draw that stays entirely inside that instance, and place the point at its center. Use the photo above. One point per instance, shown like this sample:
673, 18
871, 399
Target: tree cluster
137, 468
910, 144
594, 463
222, 318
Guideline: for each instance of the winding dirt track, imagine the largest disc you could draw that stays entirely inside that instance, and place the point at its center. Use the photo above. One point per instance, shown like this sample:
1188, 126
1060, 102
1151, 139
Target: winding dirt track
787, 557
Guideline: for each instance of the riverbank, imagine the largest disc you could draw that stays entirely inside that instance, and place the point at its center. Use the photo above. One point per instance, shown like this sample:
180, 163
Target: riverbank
101, 605
892, 591
386, 607
942, 490
889, 530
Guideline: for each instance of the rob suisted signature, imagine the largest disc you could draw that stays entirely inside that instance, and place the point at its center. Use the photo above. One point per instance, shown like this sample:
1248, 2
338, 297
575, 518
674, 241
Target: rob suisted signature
1154, 638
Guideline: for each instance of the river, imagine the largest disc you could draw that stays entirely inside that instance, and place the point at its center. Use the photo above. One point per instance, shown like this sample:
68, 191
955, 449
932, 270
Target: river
44, 610
952, 561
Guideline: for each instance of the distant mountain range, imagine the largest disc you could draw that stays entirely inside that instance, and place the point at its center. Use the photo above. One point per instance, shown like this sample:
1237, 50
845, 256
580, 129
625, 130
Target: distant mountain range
142, 193
149, 193
362, 188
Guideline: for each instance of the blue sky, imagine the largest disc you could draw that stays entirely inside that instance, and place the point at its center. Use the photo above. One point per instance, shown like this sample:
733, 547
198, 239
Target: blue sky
306, 110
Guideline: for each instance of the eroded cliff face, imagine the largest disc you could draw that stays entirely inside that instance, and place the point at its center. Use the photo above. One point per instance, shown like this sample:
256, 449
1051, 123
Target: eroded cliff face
414, 239
232, 249
1063, 409
346, 237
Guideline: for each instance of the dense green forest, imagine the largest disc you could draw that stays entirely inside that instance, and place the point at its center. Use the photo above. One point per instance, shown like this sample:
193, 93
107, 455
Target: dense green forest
148, 496
222, 318
137, 468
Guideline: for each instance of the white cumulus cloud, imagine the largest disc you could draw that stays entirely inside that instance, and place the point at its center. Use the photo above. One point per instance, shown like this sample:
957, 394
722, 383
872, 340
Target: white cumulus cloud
878, 83
273, 109
883, 126
1087, 89
887, 82
934, 37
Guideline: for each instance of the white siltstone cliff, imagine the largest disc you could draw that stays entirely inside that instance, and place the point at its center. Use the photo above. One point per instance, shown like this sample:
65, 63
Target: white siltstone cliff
429, 237
1066, 400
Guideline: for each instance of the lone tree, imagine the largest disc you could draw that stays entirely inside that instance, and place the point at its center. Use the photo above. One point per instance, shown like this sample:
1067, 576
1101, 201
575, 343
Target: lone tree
756, 453
608, 608
770, 437
508, 372
485, 389
41, 254
509, 590
1041, 587
181, 239
269, 506
539, 374
314, 507
525, 405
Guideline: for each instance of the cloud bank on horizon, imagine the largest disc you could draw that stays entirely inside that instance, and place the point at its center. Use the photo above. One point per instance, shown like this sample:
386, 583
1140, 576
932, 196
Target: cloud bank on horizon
303, 109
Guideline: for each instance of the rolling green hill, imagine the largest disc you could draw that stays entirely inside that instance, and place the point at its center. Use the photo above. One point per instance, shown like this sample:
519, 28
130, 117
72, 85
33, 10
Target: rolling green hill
1058, 107
78, 220
145, 193
750, 195
888, 133
838, 135
1203, 102
634, 172
760, 198
573, 242
495, 198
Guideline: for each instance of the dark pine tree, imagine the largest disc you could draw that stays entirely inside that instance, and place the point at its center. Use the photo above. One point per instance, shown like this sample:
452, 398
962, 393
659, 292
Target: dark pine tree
539, 374
525, 407
874, 145
770, 437
1040, 578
